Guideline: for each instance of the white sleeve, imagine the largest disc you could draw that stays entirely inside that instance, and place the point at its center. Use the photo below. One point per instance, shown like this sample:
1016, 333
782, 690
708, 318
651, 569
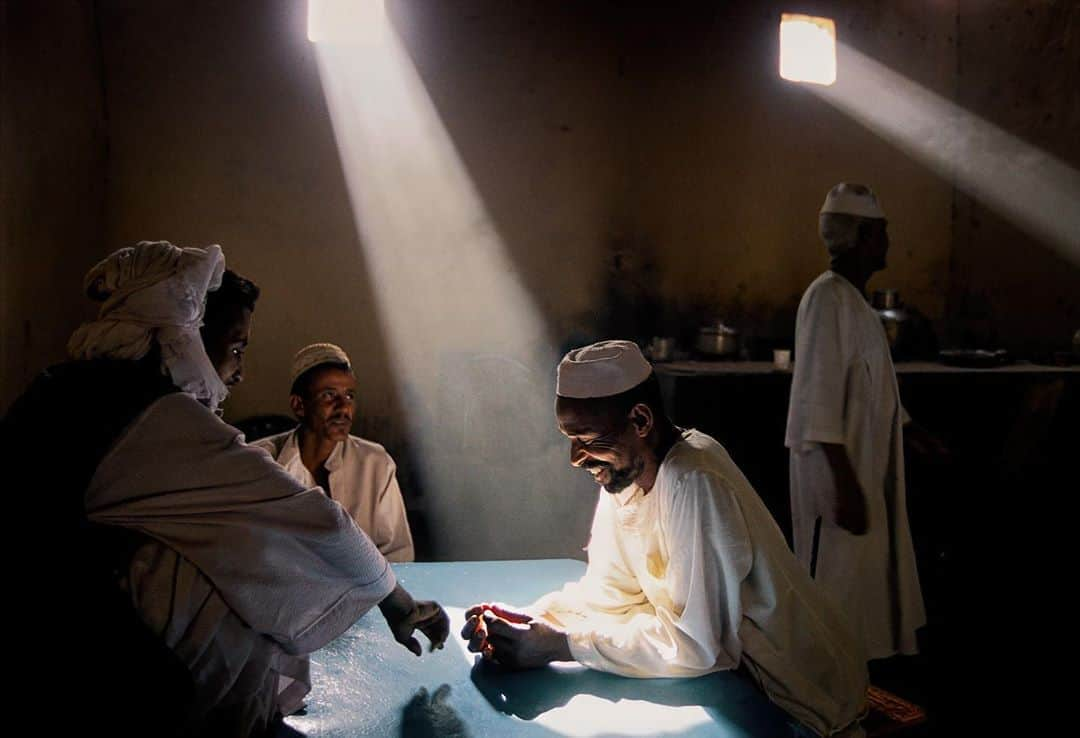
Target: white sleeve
819, 379
905, 417
266, 444
392, 534
710, 555
608, 589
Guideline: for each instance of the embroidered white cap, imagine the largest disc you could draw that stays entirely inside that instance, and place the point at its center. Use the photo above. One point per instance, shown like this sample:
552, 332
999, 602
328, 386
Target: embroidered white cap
315, 355
601, 370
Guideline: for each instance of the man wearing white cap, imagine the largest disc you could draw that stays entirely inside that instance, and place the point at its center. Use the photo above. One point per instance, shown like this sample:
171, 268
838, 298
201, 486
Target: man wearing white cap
688, 573
358, 474
844, 429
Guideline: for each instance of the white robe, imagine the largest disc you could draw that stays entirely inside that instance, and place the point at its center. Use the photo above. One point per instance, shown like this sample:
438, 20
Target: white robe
844, 392
695, 577
247, 572
363, 480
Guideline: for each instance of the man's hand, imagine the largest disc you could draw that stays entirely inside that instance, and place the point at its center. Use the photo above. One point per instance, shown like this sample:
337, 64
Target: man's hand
848, 503
849, 508
475, 630
926, 445
513, 643
405, 615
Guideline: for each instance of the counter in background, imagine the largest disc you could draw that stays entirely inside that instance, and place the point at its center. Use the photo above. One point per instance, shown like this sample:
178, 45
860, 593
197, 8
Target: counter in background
708, 368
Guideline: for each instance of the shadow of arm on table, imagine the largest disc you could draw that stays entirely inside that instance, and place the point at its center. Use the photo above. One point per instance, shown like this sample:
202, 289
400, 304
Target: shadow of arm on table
425, 716
728, 697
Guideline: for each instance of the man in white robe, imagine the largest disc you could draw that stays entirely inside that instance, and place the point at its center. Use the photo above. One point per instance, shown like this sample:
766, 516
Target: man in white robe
845, 433
174, 579
321, 452
688, 573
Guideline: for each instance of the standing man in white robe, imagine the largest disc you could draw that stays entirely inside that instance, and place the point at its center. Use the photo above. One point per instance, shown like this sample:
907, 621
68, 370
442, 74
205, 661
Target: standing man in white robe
845, 433
356, 473
688, 573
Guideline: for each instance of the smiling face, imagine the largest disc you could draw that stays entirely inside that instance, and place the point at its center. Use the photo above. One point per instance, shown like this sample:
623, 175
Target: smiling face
327, 406
611, 446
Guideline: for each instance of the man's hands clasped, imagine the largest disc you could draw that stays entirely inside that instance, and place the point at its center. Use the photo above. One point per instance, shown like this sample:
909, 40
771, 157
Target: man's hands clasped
513, 639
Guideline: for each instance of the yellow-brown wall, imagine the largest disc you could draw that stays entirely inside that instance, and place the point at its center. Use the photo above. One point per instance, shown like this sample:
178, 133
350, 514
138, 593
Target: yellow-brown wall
52, 182
623, 151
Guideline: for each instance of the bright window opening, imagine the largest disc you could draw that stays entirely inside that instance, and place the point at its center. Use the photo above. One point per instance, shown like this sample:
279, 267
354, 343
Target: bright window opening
807, 49
341, 21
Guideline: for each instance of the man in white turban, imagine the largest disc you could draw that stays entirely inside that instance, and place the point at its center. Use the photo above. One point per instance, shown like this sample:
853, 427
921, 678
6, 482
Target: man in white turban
844, 430
153, 296
176, 578
688, 573
358, 474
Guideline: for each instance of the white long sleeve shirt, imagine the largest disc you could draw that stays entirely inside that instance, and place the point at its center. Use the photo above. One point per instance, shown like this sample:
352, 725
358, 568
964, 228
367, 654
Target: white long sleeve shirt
363, 480
694, 577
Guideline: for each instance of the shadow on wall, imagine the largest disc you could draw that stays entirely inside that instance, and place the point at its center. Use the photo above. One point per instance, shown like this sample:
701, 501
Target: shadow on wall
529, 96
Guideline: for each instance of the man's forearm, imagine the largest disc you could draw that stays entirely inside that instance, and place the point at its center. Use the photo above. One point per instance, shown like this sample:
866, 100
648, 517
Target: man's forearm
848, 506
840, 463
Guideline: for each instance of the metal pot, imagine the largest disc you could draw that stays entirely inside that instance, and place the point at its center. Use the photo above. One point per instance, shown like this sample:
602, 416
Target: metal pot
717, 339
661, 348
894, 317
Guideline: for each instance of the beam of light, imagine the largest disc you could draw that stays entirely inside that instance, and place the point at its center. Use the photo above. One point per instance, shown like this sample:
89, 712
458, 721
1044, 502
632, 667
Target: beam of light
1036, 192
807, 49
339, 21
586, 715
448, 295
439, 264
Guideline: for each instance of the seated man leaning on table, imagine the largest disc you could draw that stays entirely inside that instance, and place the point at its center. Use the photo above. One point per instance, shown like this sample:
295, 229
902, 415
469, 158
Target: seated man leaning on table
356, 473
688, 573
175, 578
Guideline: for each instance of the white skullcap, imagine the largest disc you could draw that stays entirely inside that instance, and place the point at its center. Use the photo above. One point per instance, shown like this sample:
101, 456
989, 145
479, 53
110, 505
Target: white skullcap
852, 199
315, 355
601, 370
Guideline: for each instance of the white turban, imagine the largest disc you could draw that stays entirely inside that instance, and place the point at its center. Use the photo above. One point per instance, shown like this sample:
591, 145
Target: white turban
603, 369
315, 355
155, 291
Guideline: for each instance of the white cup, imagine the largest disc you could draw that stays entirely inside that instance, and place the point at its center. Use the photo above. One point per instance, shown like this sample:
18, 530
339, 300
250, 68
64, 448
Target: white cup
781, 359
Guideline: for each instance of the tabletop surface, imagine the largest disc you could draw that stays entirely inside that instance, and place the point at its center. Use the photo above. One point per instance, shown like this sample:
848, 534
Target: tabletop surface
707, 368
365, 684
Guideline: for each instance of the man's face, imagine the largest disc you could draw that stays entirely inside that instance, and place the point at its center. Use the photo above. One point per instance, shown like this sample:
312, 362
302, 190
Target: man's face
329, 405
226, 340
609, 448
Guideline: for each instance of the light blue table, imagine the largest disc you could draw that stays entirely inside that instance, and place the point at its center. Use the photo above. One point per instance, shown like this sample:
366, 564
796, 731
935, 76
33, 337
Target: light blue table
364, 682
